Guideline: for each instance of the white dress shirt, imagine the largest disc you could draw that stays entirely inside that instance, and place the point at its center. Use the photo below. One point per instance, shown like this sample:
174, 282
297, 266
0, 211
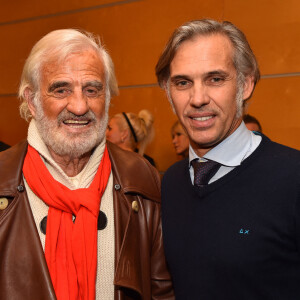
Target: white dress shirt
230, 153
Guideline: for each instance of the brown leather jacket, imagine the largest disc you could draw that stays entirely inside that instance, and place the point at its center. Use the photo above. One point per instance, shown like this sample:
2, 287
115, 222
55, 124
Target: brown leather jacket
140, 268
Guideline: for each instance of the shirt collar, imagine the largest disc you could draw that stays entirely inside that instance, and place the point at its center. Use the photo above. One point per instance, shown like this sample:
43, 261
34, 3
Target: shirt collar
231, 151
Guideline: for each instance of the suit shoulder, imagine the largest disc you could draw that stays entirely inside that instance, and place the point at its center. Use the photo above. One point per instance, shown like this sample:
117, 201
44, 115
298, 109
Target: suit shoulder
134, 172
283, 153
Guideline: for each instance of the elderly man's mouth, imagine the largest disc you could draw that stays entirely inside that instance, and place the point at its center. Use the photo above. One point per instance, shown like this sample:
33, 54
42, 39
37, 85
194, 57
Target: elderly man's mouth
76, 123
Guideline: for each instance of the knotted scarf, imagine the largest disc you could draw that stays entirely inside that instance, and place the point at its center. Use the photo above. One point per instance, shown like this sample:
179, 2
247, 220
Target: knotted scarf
70, 247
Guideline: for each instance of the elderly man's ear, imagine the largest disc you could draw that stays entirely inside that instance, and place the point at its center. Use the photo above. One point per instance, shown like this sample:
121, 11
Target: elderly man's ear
29, 96
248, 87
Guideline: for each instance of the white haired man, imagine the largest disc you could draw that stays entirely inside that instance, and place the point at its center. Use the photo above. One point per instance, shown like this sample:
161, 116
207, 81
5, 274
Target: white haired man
56, 240
231, 211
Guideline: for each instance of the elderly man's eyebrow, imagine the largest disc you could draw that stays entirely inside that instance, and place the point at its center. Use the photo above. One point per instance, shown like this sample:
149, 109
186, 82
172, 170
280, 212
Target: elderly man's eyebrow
94, 83
58, 84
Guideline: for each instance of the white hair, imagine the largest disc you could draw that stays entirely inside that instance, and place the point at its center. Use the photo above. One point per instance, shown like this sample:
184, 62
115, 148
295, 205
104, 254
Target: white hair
57, 45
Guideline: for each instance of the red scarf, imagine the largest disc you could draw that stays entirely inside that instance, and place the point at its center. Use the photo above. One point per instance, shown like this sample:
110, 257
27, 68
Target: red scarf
70, 248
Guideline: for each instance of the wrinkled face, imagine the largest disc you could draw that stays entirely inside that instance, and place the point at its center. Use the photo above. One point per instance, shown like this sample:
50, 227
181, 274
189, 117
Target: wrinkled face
180, 141
203, 89
113, 132
70, 111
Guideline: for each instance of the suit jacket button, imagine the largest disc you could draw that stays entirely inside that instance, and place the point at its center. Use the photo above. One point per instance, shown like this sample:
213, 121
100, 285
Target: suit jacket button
117, 187
135, 206
3, 203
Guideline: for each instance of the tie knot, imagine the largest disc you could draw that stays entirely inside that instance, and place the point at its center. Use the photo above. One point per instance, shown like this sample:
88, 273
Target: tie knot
204, 171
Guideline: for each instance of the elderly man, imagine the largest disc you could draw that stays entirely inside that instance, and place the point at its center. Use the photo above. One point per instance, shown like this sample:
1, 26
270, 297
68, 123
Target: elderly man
54, 242
231, 211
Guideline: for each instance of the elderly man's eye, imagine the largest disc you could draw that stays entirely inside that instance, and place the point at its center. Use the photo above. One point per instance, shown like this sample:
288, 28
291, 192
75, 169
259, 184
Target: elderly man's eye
92, 92
61, 92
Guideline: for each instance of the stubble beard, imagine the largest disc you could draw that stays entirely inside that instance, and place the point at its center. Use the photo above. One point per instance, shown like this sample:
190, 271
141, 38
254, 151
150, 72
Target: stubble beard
238, 98
239, 106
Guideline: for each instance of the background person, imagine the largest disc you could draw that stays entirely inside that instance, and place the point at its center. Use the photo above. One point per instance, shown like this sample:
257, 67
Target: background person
132, 132
55, 243
180, 140
252, 123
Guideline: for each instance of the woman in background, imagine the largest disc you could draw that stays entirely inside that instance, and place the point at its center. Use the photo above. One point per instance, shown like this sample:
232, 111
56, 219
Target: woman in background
132, 132
180, 140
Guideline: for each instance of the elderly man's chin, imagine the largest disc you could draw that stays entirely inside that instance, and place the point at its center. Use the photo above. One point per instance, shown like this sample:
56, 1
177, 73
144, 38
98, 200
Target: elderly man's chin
73, 145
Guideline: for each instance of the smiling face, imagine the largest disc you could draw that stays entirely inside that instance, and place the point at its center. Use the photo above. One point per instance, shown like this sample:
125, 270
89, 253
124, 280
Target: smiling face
203, 89
70, 112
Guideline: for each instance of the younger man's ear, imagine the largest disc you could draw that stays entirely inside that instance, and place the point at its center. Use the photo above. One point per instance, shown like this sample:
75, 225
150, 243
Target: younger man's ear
248, 87
29, 96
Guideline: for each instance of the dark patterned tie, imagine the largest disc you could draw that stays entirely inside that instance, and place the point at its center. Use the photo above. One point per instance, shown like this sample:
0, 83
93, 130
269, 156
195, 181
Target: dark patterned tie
204, 171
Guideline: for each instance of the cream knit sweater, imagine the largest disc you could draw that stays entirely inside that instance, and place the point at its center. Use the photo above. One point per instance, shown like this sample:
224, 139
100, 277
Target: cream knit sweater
106, 240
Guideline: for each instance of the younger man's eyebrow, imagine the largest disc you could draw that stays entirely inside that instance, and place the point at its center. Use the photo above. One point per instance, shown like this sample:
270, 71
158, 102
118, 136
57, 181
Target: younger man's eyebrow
217, 72
176, 77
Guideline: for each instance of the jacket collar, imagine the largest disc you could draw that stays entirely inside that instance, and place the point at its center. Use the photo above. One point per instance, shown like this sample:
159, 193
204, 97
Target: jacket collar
126, 167
11, 163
